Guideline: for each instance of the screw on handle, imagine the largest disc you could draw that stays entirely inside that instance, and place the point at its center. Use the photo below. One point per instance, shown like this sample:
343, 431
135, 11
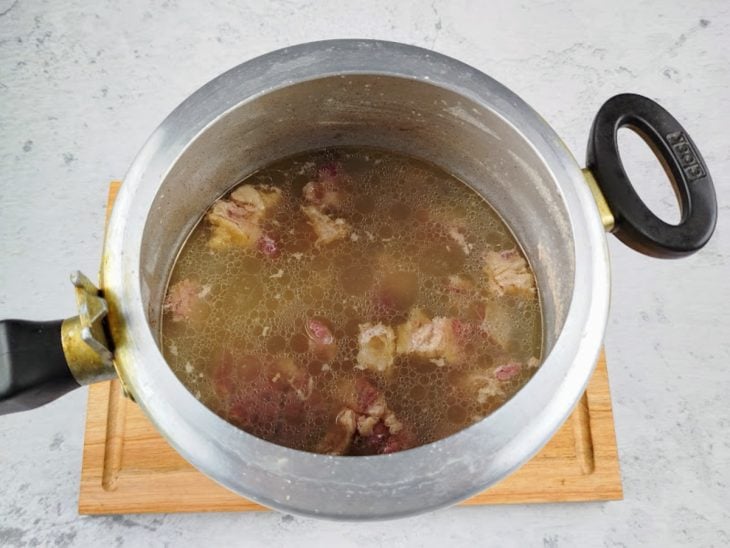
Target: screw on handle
635, 224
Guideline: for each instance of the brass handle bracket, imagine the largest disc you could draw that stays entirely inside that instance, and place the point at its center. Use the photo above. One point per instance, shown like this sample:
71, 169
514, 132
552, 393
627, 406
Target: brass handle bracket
607, 218
83, 338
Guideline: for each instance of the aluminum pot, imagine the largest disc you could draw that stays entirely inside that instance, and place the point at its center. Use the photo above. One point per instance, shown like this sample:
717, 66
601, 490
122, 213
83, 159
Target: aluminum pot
385, 95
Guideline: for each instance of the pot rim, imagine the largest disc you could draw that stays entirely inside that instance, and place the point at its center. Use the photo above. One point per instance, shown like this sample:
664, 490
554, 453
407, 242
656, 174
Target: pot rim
280, 477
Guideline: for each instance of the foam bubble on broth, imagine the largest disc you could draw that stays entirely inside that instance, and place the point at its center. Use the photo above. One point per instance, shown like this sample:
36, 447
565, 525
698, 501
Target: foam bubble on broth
399, 258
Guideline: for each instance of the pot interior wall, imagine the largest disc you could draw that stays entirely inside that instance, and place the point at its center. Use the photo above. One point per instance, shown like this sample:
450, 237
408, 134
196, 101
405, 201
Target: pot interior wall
409, 116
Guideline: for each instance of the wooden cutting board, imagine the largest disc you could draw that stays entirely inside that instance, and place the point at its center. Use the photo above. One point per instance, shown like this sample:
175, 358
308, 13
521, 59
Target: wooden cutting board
129, 468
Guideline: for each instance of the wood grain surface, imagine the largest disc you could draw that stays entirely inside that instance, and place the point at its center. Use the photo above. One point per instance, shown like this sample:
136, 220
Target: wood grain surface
129, 468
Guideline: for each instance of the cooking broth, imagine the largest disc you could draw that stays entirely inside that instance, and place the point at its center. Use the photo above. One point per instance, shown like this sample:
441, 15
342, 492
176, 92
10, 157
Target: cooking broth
352, 301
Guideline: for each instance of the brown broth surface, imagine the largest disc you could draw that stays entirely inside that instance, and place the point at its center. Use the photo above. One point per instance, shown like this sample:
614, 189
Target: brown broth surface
251, 309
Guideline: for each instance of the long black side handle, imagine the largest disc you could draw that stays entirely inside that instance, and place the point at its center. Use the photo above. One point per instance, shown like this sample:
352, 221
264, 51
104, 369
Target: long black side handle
634, 223
41, 361
33, 368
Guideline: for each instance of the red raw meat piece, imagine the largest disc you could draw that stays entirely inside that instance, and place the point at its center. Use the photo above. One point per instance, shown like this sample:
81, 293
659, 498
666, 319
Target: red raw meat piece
507, 371
268, 246
321, 340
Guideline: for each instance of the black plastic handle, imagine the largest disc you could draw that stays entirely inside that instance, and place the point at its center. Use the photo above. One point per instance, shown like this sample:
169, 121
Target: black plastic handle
33, 369
635, 224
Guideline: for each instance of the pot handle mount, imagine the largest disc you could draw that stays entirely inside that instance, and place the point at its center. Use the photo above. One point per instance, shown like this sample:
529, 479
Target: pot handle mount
41, 361
633, 222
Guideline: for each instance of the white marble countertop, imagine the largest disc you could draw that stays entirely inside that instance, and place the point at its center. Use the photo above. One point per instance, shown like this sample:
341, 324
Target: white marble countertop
83, 84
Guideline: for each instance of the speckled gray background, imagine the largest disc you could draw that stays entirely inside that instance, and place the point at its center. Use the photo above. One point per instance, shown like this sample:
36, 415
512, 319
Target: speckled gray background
82, 85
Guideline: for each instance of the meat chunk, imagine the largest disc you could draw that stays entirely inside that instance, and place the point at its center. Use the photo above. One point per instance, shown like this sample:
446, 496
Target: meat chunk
456, 233
498, 322
266, 397
287, 375
379, 431
507, 273
376, 430
482, 385
381, 441
489, 386
319, 333
326, 228
184, 299
435, 339
260, 200
268, 246
392, 422
507, 371
321, 340
237, 220
360, 395
461, 285
366, 423
465, 298
377, 347
326, 192
233, 226
417, 319
231, 371
339, 438
323, 194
